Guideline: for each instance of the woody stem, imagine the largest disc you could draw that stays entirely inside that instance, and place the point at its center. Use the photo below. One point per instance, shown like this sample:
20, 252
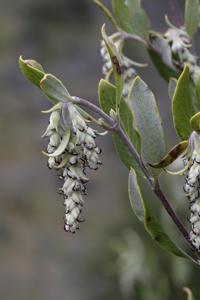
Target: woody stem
154, 184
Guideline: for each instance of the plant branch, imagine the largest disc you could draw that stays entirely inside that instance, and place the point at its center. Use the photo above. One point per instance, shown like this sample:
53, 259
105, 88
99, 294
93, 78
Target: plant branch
154, 184
131, 36
94, 108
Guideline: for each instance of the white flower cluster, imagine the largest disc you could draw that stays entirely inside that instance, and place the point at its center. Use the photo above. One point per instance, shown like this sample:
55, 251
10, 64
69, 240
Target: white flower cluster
180, 45
71, 149
192, 189
129, 72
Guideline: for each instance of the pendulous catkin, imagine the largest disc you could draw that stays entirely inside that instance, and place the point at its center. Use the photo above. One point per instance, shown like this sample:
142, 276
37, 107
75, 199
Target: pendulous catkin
71, 150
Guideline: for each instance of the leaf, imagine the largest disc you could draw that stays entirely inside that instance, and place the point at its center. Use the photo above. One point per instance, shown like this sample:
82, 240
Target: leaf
107, 102
127, 124
172, 155
145, 215
192, 16
197, 91
189, 293
195, 122
182, 106
106, 12
54, 88
31, 70
160, 54
131, 17
106, 92
138, 18
147, 121
122, 14
172, 87
115, 58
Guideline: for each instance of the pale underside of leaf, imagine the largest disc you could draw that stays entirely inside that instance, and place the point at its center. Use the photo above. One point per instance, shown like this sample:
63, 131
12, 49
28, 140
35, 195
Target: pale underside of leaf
147, 121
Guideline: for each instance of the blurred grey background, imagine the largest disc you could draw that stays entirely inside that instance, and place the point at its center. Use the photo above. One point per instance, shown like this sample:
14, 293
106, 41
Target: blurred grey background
111, 257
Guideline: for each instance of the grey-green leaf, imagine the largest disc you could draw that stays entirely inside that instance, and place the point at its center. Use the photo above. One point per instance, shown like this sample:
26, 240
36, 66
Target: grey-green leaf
147, 121
122, 14
145, 215
192, 16
54, 88
115, 57
182, 106
107, 102
131, 17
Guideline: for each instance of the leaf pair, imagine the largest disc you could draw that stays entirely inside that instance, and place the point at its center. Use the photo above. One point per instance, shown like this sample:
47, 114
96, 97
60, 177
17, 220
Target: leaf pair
140, 120
51, 86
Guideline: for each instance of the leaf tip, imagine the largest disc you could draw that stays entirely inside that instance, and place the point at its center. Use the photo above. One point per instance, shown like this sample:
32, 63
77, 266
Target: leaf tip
195, 122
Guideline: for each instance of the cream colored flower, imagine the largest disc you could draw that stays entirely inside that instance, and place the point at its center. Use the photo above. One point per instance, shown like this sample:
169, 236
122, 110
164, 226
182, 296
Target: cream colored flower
71, 149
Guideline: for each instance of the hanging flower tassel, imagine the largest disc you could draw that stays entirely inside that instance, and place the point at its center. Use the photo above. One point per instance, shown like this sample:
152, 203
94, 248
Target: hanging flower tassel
192, 186
180, 44
192, 190
189, 151
71, 150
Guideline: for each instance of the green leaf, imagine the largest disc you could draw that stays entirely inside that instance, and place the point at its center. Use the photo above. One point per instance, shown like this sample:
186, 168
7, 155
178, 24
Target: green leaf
195, 122
189, 293
145, 215
147, 121
172, 155
106, 11
116, 60
192, 16
107, 102
131, 17
122, 14
106, 92
197, 91
160, 54
54, 89
182, 106
31, 70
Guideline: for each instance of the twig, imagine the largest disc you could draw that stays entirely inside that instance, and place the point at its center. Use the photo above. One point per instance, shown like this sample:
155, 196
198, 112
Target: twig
154, 184
131, 36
